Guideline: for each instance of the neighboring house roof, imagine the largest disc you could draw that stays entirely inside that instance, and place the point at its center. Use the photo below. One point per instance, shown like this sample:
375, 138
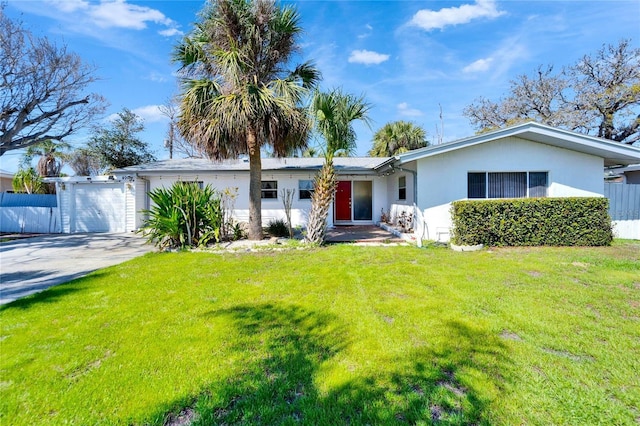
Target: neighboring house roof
199, 165
6, 174
617, 172
631, 168
614, 153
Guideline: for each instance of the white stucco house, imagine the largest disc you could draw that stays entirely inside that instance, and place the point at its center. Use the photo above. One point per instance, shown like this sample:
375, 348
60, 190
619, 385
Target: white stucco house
527, 160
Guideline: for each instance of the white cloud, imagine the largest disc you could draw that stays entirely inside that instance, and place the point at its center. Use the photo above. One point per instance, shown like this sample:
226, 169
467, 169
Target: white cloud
431, 19
112, 14
369, 29
170, 32
403, 109
121, 14
480, 65
367, 57
150, 113
69, 6
157, 77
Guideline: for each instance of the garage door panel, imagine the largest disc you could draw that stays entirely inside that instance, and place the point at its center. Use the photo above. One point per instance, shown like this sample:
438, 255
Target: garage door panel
100, 208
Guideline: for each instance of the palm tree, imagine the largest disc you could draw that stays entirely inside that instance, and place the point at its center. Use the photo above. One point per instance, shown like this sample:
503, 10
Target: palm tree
52, 157
334, 114
237, 94
398, 137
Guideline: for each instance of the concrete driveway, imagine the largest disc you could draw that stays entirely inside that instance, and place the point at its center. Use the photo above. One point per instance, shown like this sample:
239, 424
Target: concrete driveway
34, 264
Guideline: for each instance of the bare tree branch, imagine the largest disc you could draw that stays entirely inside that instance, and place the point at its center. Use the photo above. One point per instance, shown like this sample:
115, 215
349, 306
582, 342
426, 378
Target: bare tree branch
598, 95
41, 89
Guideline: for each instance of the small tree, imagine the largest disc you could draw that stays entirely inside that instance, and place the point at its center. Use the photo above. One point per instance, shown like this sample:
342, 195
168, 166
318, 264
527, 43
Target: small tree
42, 89
86, 162
175, 143
334, 114
27, 180
118, 145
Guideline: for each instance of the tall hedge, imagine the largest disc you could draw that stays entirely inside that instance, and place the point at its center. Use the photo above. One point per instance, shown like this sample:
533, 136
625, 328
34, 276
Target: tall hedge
532, 222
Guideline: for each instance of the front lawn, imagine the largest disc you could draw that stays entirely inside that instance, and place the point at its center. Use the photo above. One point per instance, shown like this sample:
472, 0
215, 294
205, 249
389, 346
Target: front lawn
344, 334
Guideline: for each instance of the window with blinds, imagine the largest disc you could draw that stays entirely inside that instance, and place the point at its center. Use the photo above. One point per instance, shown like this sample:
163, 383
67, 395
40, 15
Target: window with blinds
506, 184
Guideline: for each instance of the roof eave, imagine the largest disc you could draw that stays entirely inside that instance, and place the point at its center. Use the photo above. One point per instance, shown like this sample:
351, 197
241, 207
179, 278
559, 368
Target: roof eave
613, 153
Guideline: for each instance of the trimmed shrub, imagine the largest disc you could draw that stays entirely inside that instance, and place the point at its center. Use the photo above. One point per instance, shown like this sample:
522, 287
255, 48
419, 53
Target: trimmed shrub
278, 228
532, 222
184, 215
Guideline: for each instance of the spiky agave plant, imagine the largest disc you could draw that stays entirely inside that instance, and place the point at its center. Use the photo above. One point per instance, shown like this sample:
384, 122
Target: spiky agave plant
183, 215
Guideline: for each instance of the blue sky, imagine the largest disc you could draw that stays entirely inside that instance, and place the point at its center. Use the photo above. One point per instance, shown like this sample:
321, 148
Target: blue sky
408, 58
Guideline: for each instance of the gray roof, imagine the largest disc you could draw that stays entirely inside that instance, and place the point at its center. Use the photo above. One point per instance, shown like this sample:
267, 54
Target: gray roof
342, 165
614, 153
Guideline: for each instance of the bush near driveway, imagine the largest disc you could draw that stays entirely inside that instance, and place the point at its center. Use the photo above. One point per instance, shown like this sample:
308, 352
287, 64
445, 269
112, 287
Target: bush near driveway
184, 215
365, 335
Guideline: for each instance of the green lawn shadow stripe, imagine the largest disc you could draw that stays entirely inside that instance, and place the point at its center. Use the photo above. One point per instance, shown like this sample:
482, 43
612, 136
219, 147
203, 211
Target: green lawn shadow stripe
279, 387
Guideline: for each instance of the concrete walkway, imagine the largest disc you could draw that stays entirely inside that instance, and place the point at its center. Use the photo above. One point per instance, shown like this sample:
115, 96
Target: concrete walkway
30, 265
361, 234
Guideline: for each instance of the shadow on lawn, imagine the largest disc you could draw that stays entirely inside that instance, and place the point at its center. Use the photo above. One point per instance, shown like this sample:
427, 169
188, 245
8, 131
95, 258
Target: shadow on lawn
45, 293
279, 387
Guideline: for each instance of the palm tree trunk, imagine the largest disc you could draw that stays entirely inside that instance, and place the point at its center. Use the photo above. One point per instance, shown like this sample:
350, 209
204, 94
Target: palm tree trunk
324, 190
255, 186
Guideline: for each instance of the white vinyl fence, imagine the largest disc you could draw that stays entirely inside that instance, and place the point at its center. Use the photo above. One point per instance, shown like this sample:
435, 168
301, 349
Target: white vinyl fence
28, 213
624, 209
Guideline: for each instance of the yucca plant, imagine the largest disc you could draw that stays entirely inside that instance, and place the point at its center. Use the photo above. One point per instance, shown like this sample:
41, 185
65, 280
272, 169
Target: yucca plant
183, 215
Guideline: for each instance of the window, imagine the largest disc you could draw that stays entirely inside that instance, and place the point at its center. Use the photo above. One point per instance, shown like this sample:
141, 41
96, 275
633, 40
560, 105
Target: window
476, 185
402, 188
507, 184
538, 184
269, 189
305, 189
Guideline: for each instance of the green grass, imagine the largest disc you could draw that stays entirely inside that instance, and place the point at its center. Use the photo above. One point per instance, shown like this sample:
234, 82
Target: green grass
344, 334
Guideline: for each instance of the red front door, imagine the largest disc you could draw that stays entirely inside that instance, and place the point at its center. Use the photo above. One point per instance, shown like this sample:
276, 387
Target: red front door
343, 201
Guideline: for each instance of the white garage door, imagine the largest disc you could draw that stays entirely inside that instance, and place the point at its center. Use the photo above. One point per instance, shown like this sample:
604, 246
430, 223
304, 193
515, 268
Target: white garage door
99, 208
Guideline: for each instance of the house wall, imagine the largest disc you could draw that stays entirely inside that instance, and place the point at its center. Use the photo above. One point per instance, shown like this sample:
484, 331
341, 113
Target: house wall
443, 178
396, 205
272, 209
141, 203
